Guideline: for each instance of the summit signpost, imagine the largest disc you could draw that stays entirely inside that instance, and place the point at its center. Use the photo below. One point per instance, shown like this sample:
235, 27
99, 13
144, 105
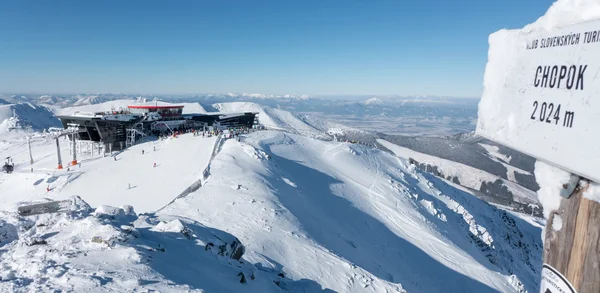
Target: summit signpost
542, 97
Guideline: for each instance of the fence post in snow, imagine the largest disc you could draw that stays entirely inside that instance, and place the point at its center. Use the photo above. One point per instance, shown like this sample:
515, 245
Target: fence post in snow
573, 250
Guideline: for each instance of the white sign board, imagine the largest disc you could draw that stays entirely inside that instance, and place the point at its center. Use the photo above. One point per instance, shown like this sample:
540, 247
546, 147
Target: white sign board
554, 282
542, 95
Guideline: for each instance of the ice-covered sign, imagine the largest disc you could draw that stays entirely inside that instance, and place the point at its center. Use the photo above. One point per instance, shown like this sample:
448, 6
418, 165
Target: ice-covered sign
542, 95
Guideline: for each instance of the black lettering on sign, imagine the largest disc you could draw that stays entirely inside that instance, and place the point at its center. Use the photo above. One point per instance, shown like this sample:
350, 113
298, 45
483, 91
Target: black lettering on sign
591, 37
535, 104
552, 76
536, 81
543, 111
549, 111
580, 77
557, 115
531, 45
571, 76
569, 116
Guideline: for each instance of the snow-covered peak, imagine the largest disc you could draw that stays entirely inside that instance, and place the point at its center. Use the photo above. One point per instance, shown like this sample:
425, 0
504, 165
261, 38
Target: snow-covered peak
26, 116
373, 101
89, 100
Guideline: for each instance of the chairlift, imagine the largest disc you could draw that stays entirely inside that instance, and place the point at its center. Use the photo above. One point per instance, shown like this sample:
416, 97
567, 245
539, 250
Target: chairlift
9, 166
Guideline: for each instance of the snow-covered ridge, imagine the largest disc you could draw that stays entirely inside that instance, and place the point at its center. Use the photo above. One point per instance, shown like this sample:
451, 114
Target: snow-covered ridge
373, 101
346, 215
89, 100
465, 175
284, 120
26, 116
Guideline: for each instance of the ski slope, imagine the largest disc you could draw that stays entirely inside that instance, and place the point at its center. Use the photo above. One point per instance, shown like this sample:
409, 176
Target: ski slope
132, 179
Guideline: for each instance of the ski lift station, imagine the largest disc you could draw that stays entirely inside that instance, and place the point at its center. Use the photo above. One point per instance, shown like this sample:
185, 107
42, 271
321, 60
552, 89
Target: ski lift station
121, 128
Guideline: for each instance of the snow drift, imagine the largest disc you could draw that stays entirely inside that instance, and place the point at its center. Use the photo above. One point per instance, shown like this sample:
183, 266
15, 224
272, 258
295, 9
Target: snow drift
110, 249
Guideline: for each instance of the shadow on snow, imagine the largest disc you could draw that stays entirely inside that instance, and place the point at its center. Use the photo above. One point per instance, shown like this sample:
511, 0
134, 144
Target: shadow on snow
359, 238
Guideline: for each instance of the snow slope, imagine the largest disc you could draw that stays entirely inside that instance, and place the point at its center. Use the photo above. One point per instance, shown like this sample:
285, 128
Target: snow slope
354, 219
314, 216
114, 250
277, 119
494, 154
26, 116
467, 175
131, 179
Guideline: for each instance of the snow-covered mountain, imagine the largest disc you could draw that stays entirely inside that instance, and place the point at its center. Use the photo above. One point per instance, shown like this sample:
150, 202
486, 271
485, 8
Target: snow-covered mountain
373, 101
89, 100
466, 162
26, 116
313, 216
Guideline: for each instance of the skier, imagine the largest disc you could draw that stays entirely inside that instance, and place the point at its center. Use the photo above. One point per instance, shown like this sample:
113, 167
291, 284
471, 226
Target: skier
115, 157
154, 165
128, 185
142, 152
155, 149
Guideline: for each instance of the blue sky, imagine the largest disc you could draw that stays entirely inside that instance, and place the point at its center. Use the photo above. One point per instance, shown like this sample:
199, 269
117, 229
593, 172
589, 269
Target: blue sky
324, 47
